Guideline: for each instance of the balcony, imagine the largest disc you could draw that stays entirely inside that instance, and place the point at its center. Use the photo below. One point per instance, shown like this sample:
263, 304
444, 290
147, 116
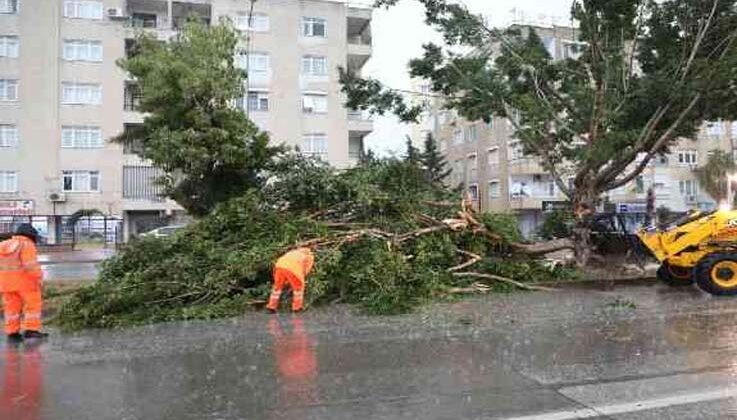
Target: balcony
358, 33
525, 166
360, 123
165, 16
131, 97
519, 202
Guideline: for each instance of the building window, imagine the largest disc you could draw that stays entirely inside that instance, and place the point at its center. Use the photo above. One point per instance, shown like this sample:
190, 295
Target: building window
470, 134
8, 90
144, 20
516, 151
551, 188
81, 93
315, 145
8, 135
549, 44
688, 157
8, 181
493, 157
688, 188
314, 65
81, 50
314, 103
259, 23
81, 137
255, 63
714, 129
457, 136
314, 27
473, 191
495, 189
9, 46
81, 181
83, 9
472, 162
132, 97
254, 101
9, 6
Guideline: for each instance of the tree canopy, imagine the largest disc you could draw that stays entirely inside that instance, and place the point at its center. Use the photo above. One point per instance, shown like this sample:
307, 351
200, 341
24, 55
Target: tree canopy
208, 148
640, 74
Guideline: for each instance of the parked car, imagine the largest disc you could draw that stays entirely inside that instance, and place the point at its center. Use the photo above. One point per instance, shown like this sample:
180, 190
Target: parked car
164, 231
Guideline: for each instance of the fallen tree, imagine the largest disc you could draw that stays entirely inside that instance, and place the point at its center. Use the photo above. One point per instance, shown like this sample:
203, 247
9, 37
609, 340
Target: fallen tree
386, 238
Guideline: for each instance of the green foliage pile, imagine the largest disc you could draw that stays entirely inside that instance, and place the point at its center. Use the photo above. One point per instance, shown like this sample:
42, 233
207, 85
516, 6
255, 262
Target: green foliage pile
221, 264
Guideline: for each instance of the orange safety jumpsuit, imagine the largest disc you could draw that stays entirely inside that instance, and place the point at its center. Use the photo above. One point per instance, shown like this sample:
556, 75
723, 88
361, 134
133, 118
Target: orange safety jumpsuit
20, 284
292, 268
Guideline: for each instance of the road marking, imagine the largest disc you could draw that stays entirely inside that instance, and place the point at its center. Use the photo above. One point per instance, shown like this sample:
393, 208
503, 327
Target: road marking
630, 407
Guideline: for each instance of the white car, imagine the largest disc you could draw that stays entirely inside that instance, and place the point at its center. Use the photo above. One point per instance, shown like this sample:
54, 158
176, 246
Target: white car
164, 231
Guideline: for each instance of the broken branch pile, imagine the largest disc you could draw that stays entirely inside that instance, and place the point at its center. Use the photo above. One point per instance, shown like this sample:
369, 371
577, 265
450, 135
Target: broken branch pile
386, 239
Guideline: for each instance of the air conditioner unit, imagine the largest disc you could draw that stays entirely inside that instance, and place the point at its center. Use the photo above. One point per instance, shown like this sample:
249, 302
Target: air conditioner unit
57, 197
115, 13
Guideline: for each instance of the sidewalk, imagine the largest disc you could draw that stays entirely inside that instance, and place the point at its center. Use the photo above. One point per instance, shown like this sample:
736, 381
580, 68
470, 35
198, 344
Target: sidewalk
81, 256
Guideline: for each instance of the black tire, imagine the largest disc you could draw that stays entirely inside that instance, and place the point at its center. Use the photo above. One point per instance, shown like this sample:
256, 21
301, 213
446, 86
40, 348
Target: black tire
717, 274
675, 276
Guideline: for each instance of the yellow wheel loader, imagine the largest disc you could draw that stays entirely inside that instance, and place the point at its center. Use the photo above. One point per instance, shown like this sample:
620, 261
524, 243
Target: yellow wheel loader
701, 247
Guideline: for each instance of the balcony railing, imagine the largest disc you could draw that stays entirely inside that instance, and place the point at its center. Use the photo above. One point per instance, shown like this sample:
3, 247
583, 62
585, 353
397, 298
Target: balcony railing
359, 116
359, 40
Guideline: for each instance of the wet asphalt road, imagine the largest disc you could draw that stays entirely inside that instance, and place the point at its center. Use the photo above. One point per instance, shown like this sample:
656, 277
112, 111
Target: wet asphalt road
644, 352
70, 271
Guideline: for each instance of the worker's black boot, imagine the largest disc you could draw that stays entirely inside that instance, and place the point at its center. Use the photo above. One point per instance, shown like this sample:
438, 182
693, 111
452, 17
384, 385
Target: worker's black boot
15, 338
34, 334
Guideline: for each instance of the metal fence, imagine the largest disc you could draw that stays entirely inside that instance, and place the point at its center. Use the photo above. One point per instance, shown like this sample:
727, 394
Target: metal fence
106, 231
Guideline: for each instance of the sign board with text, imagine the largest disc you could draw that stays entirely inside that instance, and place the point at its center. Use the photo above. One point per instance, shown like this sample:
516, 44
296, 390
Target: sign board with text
16, 207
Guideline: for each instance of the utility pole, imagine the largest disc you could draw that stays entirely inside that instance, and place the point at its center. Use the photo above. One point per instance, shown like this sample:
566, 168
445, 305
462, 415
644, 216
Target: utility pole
249, 31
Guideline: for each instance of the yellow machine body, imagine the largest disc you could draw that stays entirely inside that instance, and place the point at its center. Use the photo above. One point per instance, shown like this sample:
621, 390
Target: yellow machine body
701, 234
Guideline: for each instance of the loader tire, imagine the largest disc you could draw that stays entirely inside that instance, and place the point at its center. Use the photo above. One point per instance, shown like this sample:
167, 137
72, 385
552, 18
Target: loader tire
675, 276
717, 274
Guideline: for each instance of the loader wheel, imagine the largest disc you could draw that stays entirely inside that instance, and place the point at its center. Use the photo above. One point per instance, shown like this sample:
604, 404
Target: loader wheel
673, 275
717, 274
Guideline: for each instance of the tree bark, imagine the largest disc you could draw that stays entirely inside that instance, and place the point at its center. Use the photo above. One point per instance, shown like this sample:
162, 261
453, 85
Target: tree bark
584, 206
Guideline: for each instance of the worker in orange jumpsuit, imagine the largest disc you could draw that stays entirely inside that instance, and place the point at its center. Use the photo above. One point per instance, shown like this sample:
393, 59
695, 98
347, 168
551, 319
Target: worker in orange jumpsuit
20, 284
291, 269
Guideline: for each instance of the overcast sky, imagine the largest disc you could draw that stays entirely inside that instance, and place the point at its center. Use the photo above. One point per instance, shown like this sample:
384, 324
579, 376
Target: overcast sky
398, 35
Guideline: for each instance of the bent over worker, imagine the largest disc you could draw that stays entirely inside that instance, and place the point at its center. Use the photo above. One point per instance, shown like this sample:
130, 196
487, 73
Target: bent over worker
20, 284
291, 269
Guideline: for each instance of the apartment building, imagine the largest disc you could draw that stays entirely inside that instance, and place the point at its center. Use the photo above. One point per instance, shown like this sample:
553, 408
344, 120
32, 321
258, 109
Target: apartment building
489, 162
62, 96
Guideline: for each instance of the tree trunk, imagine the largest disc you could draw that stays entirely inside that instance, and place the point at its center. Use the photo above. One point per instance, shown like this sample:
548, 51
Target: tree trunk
584, 206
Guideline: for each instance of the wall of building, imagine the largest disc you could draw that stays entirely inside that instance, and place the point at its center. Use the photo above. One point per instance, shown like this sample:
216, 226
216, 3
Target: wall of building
39, 114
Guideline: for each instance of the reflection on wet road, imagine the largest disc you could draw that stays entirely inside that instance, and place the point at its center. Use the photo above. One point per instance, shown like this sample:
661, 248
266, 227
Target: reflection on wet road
70, 271
566, 355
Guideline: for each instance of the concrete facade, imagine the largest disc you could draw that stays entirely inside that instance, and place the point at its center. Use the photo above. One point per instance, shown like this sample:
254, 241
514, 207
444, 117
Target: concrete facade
488, 161
55, 157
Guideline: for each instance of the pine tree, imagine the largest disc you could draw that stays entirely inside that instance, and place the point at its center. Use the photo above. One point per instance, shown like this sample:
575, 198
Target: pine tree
434, 162
412, 155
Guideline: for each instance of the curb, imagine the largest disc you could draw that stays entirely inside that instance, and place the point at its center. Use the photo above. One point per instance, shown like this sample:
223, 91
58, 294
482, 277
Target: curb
603, 284
72, 262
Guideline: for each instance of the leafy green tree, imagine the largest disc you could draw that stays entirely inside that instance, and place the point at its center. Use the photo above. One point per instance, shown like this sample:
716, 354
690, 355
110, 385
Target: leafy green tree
714, 176
208, 148
434, 162
648, 73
